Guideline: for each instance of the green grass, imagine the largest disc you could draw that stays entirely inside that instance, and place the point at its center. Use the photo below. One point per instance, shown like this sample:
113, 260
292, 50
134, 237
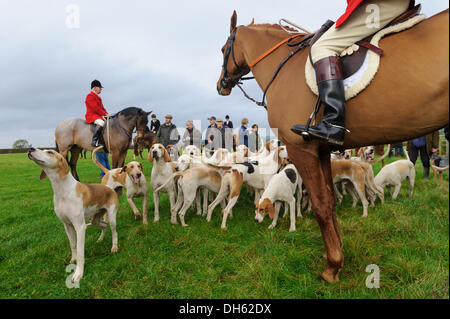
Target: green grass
407, 238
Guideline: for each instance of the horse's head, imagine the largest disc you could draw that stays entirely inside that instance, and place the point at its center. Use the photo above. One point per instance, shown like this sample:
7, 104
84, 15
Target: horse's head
234, 64
141, 122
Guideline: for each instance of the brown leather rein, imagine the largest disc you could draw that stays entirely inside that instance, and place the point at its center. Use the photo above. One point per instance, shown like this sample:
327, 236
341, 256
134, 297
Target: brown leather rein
239, 77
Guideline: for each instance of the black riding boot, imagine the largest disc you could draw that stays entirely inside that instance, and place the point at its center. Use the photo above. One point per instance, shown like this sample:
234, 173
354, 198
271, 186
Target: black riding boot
97, 137
330, 82
426, 172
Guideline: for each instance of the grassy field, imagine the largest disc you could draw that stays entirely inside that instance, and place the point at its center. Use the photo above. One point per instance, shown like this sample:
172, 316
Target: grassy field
407, 238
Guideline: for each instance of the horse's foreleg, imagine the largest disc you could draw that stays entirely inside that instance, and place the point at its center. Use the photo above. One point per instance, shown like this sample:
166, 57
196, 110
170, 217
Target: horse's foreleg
315, 172
115, 158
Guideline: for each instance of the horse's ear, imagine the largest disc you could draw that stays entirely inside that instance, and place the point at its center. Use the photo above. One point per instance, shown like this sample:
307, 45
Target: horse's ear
148, 113
233, 21
253, 22
43, 175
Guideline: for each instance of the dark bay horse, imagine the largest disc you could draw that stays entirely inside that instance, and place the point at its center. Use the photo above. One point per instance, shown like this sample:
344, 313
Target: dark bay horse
407, 98
74, 134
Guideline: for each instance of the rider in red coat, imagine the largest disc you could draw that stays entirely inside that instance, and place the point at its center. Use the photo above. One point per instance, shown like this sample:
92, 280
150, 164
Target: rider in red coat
351, 6
95, 112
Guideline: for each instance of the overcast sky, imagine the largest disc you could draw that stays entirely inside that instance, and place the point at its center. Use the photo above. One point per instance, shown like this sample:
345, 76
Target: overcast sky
158, 55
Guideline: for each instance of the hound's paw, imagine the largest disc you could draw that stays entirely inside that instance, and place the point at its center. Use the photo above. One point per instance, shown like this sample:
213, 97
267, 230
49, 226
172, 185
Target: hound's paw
137, 216
73, 260
114, 249
291, 230
271, 226
77, 276
156, 220
145, 222
174, 221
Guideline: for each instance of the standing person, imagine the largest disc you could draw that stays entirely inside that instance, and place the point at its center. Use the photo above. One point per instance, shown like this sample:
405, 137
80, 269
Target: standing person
351, 27
192, 136
223, 136
243, 132
227, 122
209, 137
95, 112
167, 132
102, 158
426, 146
154, 124
397, 150
255, 140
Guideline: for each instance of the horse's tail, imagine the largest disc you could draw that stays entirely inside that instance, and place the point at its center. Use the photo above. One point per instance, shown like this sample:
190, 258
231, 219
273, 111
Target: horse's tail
382, 157
104, 169
168, 180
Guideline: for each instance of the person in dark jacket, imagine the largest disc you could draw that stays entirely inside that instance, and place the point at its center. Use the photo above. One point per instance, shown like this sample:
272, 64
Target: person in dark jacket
209, 137
168, 133
227, 122
222, 136
154, 124
192, 136
243, 132
426, 146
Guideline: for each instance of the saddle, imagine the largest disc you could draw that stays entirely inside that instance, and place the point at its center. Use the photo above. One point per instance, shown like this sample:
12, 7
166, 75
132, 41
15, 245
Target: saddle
358, 68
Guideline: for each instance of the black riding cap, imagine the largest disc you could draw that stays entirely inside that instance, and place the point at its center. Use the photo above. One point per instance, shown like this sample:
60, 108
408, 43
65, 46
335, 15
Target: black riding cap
96, 83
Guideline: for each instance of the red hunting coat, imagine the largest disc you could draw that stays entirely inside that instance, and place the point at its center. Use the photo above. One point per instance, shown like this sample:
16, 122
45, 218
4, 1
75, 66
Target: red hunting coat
94, 108
351, 6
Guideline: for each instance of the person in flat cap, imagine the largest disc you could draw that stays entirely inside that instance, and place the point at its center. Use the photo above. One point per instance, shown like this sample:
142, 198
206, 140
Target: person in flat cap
209, 136
168, 133
96, 112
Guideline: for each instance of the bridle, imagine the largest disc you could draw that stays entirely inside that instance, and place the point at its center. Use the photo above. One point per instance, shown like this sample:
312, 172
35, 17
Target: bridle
238, 78
233, 79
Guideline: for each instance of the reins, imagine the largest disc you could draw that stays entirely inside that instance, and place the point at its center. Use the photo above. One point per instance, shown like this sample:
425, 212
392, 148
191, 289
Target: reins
237, 79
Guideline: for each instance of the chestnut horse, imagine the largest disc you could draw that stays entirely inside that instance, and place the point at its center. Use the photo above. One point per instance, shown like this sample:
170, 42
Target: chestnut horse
74, 134
407, 98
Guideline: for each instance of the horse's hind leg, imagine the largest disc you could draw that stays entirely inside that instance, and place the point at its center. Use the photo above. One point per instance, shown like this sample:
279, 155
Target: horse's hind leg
74, 155
316, 174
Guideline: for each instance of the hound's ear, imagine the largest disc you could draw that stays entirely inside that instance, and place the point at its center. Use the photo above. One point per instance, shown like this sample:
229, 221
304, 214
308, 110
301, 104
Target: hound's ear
150, 157
63, 168
124, 169
268, 146
166, 156
43, 175
141, 167
233, 21
253, 22
271, 209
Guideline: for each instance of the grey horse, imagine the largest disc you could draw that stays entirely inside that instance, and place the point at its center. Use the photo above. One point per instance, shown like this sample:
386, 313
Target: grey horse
74, 134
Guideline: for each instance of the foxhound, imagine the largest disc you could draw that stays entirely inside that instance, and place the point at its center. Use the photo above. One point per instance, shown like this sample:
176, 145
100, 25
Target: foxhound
192, 150
189, 182
76, 203
161, 171
132, 177
394, 173
282, 187
256, 175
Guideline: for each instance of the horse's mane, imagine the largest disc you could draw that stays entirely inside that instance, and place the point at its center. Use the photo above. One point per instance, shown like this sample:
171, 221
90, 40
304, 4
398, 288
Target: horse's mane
128, 112
274, 26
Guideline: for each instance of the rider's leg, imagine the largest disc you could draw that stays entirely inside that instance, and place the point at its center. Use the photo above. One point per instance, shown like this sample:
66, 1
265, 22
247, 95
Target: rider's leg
98, 131
367, 19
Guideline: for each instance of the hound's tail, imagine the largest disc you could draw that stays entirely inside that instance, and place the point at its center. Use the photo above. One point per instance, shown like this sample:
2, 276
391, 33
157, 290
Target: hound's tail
104, 169
382, 157
215, 167
168, 180
440, 169
407, 155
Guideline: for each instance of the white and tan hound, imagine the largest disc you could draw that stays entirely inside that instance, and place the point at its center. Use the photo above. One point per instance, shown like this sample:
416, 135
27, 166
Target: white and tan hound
76, 203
